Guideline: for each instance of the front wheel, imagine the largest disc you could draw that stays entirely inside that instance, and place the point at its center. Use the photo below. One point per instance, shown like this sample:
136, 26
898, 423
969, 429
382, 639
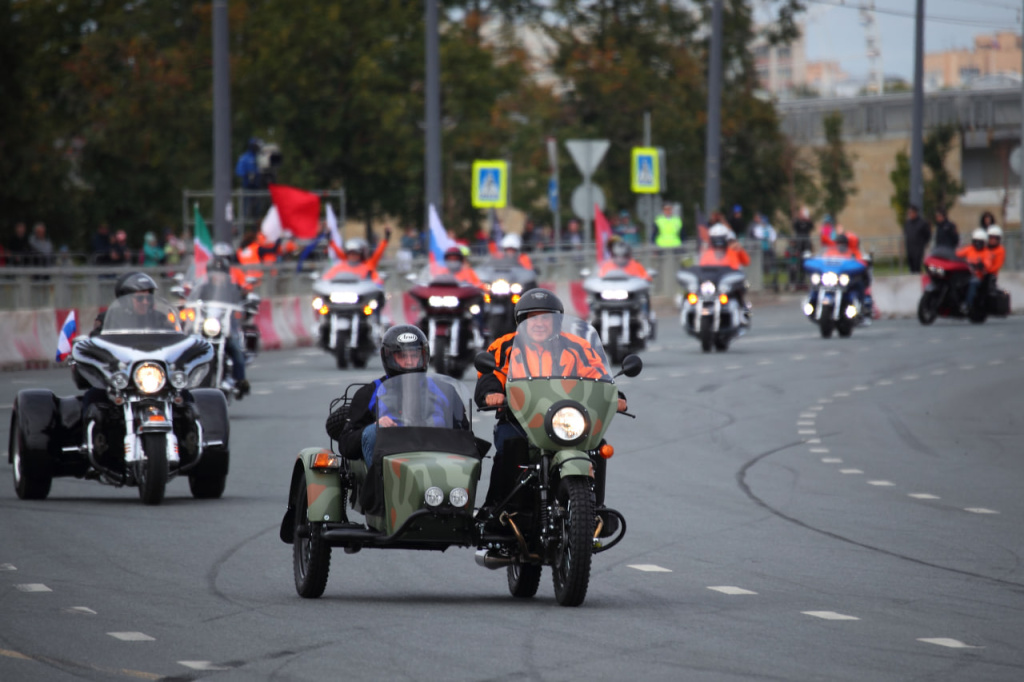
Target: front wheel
311, 556
32, 474
722, 344
928, 307
825, 324
571, 570
845, 328
340, 351
523, 579
707, 336
151, 472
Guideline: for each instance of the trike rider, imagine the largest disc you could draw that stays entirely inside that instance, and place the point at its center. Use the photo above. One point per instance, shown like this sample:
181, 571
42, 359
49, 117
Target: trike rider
549, 351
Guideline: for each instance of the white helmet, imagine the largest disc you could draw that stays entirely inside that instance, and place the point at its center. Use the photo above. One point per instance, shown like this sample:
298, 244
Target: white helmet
223, 250
995, 231
979, 235
718, 235
357, 245
512, 241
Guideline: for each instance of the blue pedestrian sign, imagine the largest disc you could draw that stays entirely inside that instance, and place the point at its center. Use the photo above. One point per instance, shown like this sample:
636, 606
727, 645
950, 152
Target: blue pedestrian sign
490, 184
553, 194
644, 171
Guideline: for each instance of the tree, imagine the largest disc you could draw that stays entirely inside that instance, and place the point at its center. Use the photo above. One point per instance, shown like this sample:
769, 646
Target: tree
835, 168
940, 188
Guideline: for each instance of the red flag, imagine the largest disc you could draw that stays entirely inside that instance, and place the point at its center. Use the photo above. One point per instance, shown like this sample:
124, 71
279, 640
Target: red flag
602, 232
299, 210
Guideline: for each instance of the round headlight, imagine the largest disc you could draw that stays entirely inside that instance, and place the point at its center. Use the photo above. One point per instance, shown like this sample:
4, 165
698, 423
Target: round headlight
317, 303
179, 379
707, 288
119, 380
830, 279
815, 278
500, 287
844, 279
149, 378
568, 423
211, 326
434, 496
517, 288
459, 497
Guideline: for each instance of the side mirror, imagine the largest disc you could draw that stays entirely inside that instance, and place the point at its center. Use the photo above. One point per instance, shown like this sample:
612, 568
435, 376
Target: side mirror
411, 277
585, 272
179, 277
178, 291
484, 363
314, 275
631, 366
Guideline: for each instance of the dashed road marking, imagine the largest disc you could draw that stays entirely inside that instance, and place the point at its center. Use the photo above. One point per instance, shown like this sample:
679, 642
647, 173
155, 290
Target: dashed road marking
924, 496
676, 375
806, 432
824, 401
32, 587
851, 471
841, 394
831, 353
766, 362
650, 378
995, 362
946, 642
132, 636
884, 382
799, 357
829, 615
910, 377
832, 460
296, 387
262, 391
816, 408
731, 367
980, 510
966, 367
7, 567
813, 441
203, 665
861, 388
881, 483
731, 589
650, 568
819, 450
805, 423
80, 609
808, 415
297, 361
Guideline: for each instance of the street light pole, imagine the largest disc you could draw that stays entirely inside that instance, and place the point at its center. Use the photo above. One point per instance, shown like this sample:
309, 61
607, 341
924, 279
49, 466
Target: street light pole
917, 121
221, 123
432, 169
712, 160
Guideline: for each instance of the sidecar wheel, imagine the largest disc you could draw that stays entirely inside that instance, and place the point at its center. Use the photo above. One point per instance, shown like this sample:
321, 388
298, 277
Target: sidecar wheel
523, 579
571, 570
152, 471
32, 474
311, 556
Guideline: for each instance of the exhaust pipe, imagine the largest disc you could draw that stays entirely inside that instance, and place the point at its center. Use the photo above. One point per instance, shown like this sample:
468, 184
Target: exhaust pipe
492, 561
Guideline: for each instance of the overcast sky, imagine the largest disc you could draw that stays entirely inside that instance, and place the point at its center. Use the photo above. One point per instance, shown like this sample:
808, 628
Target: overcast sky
836, 32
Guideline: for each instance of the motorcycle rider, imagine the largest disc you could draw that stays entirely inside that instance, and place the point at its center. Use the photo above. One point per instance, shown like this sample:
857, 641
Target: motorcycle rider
995, 245
979, 258
511, 247
729, 254
355, 260
403, 350
221, 276
548, 345
455, 262
622, 259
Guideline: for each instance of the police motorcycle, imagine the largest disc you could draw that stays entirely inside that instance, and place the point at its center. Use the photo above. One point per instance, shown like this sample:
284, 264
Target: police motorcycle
554, 513
138, 423
505, 281
620, 311
835, 300
710, 305
348, 318
450, 310
217, 310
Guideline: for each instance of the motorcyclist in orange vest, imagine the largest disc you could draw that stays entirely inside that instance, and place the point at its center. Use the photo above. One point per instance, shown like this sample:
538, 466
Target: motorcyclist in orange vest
980, 258
355, 260
249, 255
511, 247
995, 246
742, 257
718, 252
456, 265
622, 259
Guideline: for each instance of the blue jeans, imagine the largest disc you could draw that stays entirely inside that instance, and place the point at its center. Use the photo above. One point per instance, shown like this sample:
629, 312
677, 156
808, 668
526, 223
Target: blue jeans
234, 350
369, 441
972, 290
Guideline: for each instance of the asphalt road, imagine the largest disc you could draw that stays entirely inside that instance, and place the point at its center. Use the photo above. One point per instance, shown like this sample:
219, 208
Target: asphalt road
798, 509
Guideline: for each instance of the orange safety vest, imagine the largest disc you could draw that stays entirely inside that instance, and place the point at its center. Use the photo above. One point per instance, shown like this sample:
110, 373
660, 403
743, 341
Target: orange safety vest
720, 257
633, 268
365, 270
998, 257
250, 256
975, 257
575, 357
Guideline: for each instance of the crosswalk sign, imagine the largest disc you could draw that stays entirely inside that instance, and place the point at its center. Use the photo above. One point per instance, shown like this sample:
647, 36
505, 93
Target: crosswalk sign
645, 174
490, 184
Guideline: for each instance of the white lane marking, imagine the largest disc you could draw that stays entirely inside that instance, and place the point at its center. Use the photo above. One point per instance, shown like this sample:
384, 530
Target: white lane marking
817, 408
933, 341
297, 361
824, 401
650, 378
806, 432
980, 510
766, 362
813, 441
820, 450
938, 372
202, 665
881, 483
799, 357
910, 377
830, 353
924, 496
841, 394
808, 415
966, 366
7, 406
884, 382
851, 471
805, 423
296, 387
947, 642
32, 587
832, 460
649, 568
731, 589
676, 375
705, 371
132, 636
995, 362
829, 615
81, 609
861, 388
734, 366
7, 567
262, 391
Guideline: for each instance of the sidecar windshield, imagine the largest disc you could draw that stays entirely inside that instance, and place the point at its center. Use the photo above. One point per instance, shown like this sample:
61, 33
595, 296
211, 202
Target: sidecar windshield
140, 313
553, 345
425, 400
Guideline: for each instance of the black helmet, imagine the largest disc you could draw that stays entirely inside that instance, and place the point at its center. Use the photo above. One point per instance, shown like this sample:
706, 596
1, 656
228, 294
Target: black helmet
537, 300
134, 283
842, 240
404, 337
220, 264
621, 251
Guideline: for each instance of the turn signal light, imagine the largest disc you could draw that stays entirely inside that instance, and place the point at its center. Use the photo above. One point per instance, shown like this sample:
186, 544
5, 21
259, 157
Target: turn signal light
606, 451
515, 298
323, 310
367, 310
691, 299
487, 297
723, 299
325, 460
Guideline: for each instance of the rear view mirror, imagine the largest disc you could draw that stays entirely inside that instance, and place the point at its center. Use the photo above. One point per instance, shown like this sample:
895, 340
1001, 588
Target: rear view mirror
631, 366
485, 364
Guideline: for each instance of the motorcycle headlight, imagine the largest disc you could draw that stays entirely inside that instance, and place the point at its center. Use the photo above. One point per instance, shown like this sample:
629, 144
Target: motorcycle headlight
179, 379
211, 326
344, 297
474, 309
500, 287
433, 496
119, 380
149, 378
844, 279
830, 279
517, 288
808, 309
318, 303
707, 288
459, 497
614, 295
197, 375
815, 279
443, 301
568, 424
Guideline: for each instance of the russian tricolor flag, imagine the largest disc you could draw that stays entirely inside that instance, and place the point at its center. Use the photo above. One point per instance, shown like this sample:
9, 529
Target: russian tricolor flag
67, 334
439, 239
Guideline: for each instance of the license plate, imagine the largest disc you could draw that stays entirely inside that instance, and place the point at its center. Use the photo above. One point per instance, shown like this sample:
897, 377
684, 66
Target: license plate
342, 323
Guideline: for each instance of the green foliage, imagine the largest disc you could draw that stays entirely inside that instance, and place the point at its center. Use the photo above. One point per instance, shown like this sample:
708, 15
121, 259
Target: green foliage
835, 168
941, 189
